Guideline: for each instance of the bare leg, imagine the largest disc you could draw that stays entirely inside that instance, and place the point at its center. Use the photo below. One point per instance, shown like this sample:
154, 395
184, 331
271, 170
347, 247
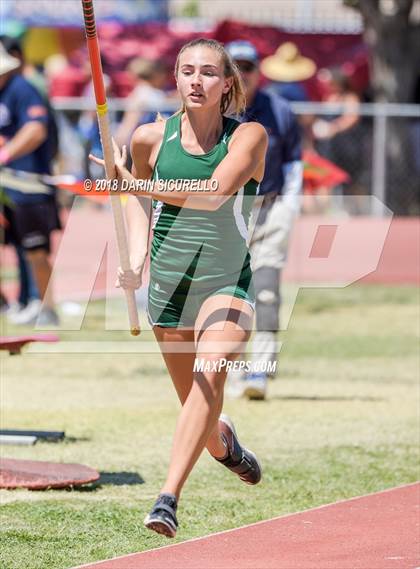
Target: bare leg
201, 410
180, 368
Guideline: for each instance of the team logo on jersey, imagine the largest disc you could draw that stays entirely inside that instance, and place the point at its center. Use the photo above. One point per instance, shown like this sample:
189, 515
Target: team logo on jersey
175, 134
5, 117
36, 111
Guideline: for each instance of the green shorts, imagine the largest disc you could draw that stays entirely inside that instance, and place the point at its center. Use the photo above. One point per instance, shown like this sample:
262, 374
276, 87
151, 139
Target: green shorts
178, 307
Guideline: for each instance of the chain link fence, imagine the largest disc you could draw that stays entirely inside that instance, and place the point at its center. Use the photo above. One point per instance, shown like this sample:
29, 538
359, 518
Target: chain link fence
380, 152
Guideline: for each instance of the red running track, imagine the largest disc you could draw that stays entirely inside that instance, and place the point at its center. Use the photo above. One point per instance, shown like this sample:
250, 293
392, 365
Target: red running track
323, 250
378, 531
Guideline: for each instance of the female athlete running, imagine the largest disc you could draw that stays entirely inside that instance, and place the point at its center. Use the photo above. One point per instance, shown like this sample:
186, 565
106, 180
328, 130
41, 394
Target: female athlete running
200, 290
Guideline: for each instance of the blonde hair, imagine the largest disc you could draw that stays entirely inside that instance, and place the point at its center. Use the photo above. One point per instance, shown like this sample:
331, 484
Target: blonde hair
234, 100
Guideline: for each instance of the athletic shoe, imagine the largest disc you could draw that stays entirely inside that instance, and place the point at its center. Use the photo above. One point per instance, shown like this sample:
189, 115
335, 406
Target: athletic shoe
256, 386
27, 315
35, 315
234, 387
239, 460
12, 308
47, 317
162, 518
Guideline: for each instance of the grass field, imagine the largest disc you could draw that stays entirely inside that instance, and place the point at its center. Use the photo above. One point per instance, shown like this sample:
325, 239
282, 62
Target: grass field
342, 420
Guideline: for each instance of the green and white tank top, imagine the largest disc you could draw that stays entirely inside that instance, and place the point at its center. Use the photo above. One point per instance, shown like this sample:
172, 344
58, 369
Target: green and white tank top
198, 245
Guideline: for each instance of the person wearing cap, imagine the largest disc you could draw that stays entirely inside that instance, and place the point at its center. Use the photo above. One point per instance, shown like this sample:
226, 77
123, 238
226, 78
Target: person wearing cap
26, 149
275, 209
288, 69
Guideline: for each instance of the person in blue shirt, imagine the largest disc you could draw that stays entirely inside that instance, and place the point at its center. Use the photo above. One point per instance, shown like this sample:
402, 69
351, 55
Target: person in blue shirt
274, 211
26, 151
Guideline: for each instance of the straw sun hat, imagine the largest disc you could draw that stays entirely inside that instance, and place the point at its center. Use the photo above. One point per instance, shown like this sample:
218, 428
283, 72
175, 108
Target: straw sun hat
288, 64
7, 62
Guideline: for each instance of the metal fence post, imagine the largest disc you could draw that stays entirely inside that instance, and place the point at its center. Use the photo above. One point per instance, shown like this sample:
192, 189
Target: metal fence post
379, 161
374, 165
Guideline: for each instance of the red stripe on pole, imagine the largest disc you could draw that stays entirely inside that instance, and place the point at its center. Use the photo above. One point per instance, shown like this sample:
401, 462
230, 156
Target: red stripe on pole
96, 65
94, 53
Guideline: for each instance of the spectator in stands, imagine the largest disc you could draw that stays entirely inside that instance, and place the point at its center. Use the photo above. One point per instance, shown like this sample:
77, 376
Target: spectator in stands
28, 291
13, 46
276, 206
288, 69
289, 72
147, 97
339, 136
27, 151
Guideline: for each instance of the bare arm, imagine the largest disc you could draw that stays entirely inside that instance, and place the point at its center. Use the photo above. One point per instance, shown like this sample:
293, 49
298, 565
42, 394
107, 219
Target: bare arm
245, 160
26, 140
138, 214
350, 115
138, 211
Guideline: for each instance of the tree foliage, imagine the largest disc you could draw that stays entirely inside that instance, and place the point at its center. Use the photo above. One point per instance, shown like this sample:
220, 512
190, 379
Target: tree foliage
392, 31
